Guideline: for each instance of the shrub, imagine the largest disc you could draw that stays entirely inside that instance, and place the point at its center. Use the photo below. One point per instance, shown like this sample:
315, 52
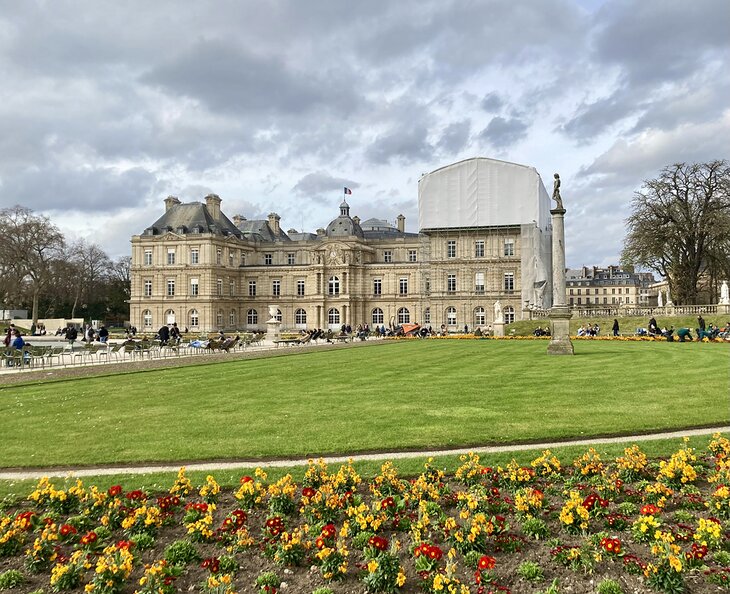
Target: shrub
11, 579
181, 552
535, 528
143, 541
268, 582
323, 591
530, 571
551, 589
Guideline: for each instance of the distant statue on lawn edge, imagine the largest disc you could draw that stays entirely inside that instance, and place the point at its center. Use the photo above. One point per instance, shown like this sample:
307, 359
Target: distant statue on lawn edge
556, 193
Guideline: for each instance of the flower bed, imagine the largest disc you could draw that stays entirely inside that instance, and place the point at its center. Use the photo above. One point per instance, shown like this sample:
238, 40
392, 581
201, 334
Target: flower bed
624, 525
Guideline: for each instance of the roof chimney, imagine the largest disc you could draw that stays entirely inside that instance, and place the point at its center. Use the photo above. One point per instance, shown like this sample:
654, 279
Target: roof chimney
401, 223
274, 222
356, 220
213, 202
170, 201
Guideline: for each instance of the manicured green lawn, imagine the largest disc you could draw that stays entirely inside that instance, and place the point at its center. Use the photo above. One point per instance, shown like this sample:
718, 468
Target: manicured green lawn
415, 394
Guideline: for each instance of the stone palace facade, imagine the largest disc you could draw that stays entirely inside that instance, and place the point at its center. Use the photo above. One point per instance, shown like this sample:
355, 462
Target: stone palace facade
205, 271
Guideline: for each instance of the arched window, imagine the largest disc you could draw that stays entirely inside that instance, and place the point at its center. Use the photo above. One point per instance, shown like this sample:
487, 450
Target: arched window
278, 315
404, 316
300, 317
451, 316
170, 317
334, 285
427, 315
378, 316
194, 318
509, 314
479, 317
333, 317
147, 319
232, 318
252, 317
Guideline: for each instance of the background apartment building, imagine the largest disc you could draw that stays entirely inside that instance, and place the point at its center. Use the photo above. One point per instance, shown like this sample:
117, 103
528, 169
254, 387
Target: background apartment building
595, 288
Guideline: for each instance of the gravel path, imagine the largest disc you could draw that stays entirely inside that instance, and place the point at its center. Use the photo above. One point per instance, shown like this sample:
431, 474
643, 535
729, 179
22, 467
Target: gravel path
233, 464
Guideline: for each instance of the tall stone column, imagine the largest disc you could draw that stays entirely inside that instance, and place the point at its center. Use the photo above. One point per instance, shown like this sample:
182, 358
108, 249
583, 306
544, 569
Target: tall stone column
560, 314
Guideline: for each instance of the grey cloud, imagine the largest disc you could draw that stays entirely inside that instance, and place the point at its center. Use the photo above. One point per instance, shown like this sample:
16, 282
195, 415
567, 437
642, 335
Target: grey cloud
455, 137
94, 190
592, 119
404, 144
502, 133
320, 186
492, 102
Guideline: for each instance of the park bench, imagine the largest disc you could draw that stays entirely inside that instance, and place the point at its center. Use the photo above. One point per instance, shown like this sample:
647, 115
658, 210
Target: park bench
287, 341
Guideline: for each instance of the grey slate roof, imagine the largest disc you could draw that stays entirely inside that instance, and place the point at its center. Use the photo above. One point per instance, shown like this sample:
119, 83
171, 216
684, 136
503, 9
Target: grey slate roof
192, 217
260, 229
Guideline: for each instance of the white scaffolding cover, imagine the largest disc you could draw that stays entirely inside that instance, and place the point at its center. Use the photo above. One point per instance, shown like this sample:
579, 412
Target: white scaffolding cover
482, 192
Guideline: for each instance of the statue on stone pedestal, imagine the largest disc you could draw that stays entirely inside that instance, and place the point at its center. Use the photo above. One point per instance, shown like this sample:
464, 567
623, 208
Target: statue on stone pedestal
660, 301
273, 310
497, 311
724, 294
556, 193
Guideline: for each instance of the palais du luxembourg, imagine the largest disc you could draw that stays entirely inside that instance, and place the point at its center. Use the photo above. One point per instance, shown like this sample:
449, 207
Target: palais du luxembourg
484, 237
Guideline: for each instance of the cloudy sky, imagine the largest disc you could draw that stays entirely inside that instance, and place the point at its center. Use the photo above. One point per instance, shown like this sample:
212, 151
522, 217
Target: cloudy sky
108, 107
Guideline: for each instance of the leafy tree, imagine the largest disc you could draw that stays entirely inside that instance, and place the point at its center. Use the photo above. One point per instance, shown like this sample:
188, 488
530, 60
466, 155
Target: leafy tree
680, 227
30, 248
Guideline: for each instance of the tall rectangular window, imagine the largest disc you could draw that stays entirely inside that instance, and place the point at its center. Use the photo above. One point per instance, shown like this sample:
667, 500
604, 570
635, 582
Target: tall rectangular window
291, 259
170, 287
148, 288
194, 287
300, 288
230, 257
243, 258
479, 282
412, 255
194, 256
232, 288
170, 256
377, 286
403, 286
252, 288
479, 248
219, 286
451, 283
509, 247
219, 256
387, 256
451, 248
268, 259
509, 282
276, 288
148, 257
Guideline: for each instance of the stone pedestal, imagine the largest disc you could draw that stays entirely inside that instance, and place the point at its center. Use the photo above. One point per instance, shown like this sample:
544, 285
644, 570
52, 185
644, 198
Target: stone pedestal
499, 328
560, 343
560, 314
273, 326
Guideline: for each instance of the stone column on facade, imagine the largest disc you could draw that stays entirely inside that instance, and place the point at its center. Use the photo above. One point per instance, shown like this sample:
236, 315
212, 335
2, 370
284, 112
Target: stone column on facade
560, 313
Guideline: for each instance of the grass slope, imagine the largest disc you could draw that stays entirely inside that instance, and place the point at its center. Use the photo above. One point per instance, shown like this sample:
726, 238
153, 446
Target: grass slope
414, 394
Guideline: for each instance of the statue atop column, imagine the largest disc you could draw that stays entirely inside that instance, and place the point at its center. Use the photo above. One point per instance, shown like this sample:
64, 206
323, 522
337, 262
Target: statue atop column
724, 294
556, 193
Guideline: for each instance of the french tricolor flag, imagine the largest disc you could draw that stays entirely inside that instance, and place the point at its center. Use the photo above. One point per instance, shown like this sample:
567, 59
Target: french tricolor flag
348, 191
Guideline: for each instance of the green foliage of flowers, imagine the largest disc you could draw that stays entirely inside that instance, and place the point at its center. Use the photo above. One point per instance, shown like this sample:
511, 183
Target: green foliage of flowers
609, 586
530, 571
11, 579
181, 552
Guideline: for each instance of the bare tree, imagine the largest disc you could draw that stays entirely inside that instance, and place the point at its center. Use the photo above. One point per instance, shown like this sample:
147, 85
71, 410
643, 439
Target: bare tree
91, 266
680, 226
30, 246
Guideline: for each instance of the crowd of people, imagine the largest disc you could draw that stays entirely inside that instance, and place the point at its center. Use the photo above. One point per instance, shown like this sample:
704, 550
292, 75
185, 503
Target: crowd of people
683, 334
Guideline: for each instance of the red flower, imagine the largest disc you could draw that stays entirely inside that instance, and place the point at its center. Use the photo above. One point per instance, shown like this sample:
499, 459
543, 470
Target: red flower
329, 531
387, 502
611, 545
67, 530
378, 542
246, 479
308, 492
434, 553
486, 562
125, 544
212, 564
650, 510
25, 520
88, 538
114, 490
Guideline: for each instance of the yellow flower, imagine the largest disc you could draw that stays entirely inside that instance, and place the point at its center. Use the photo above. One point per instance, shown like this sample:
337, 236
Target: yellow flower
372, 566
